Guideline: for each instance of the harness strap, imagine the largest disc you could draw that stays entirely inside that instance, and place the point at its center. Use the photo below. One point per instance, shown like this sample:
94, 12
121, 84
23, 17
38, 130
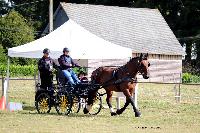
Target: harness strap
115, 73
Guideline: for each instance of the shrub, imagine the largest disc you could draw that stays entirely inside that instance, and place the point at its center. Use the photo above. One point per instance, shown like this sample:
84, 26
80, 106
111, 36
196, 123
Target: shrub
26, 70
17, 70
189, 78
186, 78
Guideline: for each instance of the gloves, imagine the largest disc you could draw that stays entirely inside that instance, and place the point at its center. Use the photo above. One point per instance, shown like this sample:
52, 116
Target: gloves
76, 65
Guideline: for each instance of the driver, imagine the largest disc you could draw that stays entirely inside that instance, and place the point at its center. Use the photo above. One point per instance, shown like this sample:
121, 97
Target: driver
66, 63
45, 67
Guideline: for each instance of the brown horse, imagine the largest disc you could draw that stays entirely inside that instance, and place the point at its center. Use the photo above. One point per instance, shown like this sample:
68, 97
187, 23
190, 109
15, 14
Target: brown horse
122, 79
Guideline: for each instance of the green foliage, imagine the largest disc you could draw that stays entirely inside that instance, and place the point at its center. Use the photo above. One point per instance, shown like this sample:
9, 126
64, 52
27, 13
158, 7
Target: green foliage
14, 30
189, 78
195, 79
186, 78
17, 70
37, 13
78, 70
2, 55
26, 70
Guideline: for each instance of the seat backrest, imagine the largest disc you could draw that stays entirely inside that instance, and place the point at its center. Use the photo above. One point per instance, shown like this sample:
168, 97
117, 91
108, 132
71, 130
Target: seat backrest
59, 61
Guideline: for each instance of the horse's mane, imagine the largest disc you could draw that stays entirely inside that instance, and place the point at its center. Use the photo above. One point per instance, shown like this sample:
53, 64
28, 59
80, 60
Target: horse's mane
132, 60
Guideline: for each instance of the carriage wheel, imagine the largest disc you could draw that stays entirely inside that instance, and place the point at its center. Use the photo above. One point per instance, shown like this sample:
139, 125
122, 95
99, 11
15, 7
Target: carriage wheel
42, 103
97, 105
63, 104
76, 104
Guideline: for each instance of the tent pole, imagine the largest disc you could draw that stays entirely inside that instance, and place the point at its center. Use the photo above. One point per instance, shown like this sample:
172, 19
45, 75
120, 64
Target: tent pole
35, 78
50, 16
6, 82
2, 85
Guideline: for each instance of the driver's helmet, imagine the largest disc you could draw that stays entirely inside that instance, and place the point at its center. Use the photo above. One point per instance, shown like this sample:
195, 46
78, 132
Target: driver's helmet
65, 50
46, 51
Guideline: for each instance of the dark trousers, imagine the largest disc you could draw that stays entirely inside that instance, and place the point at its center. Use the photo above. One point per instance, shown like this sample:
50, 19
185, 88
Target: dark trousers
46, 80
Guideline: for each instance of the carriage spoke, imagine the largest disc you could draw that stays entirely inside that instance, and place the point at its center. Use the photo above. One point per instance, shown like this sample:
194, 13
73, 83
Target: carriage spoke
75, 105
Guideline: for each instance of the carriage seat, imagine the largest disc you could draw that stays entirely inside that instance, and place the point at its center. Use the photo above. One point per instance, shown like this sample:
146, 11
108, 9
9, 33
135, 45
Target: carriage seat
60, 77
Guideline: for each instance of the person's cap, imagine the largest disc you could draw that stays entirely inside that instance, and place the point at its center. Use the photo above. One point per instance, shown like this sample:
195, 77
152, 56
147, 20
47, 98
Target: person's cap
65, 50
46, 51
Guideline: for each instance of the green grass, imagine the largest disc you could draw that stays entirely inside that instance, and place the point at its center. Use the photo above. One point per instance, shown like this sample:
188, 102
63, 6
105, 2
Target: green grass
160, 113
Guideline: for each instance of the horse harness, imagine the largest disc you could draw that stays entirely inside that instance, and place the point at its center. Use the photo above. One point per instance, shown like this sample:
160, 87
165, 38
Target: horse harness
118, 80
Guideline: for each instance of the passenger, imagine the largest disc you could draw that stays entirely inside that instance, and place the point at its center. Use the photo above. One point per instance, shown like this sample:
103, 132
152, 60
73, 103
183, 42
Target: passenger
66, 63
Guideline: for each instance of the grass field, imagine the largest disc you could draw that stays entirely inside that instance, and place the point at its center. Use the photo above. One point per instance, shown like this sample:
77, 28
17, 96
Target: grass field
160, 113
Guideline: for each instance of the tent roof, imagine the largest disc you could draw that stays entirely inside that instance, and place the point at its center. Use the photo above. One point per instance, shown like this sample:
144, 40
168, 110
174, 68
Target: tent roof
143, 30
82, 45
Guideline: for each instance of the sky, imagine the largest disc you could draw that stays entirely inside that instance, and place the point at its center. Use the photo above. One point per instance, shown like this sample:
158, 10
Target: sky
7, 2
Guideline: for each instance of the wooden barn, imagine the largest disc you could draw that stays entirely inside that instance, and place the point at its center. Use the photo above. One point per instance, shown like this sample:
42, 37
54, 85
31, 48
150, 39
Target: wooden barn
143, 30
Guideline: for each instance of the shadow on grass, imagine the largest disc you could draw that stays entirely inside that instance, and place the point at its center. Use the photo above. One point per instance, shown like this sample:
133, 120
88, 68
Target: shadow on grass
31, 110
87, 115
70, 115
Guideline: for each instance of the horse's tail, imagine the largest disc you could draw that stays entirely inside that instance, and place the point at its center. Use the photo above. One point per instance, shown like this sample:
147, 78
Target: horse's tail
96, 75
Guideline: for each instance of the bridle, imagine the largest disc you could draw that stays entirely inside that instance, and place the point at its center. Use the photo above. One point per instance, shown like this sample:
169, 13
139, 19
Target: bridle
140, 66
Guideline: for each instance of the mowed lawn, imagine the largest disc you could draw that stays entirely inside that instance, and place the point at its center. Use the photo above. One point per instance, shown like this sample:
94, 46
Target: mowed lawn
160, 113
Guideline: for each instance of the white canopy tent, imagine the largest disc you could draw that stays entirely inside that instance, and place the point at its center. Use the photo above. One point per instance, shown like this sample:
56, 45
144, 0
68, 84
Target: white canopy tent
82, 45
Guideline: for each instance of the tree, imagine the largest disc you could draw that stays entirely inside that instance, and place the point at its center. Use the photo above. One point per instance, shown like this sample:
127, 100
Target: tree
35, 12
14, 31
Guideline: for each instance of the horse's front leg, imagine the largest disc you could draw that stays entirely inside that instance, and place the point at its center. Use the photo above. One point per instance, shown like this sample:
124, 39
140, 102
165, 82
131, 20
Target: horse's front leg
120, 111
131, 100
108, 100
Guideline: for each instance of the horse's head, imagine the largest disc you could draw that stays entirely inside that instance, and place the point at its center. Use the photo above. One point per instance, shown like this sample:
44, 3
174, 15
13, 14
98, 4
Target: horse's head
143, 66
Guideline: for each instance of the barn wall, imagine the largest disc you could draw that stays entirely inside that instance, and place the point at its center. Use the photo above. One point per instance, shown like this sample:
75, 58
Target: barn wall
161, 56
82, 62
168, 71
160, 70
164, 68
94, 64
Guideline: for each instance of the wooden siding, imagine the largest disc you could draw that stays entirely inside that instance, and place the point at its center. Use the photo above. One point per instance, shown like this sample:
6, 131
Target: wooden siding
160, 70
161, 56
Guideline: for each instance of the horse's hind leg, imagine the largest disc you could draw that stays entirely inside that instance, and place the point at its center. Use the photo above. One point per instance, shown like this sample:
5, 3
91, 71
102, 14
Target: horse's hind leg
90, 102
108, 100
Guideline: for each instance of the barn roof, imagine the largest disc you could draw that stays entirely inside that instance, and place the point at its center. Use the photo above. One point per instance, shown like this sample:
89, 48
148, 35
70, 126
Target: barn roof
141, 29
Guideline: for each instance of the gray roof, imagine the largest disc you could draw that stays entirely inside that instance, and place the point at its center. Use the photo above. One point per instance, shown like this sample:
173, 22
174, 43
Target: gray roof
143, 30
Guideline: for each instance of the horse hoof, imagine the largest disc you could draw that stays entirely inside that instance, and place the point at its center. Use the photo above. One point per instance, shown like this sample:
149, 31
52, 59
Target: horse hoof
119, 112
85, 111
113, 113
137, 114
